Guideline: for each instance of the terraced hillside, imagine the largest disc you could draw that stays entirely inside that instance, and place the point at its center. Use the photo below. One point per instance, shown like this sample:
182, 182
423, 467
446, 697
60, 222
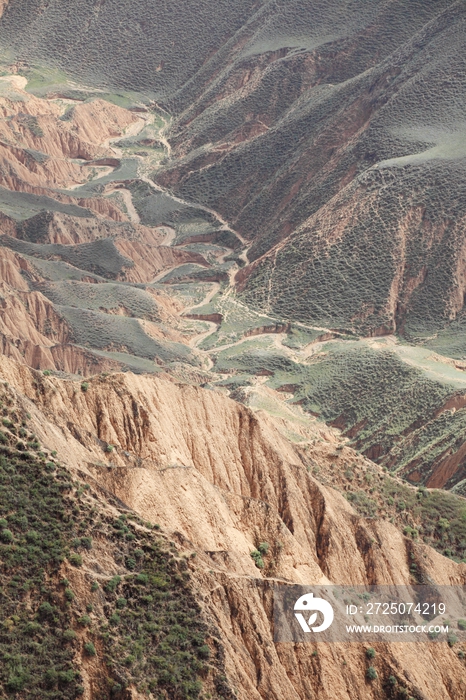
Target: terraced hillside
79, 266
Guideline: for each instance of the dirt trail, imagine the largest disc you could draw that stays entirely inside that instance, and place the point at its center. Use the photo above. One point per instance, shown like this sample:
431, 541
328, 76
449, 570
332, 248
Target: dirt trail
170, 235
197, 340
128, 200
132, 130
208, 297
163, 139
224, 225
273, 336
165, 272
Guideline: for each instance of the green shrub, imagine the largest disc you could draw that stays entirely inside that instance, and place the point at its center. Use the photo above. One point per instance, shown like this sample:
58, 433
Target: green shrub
86, 542
443, 524
203, 652
66, 676
371, 674
410, 532
462, 624
69, 635
121, 603
85, 621
452, 639
263, 548
111, 585
84, 386
33, 628
51, 677
257, 556
69, 595
17, 679
89, 648
6, 536
109, 448
75, 559
370, 653
142, 579
115, 619
46, 611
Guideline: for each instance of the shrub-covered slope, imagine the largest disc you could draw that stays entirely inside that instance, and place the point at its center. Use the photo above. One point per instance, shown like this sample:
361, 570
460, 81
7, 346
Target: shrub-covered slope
142, 45
93, 600
343, 164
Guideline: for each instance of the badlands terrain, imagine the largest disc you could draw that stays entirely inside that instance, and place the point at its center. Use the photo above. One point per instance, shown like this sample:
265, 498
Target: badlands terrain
232, 294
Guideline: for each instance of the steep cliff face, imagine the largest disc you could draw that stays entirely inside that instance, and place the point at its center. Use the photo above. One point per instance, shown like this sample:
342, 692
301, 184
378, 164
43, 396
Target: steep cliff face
219, 478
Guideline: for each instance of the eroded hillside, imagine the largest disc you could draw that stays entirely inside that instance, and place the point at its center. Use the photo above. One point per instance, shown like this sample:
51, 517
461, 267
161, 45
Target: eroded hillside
168, 452
114, 272
220, 228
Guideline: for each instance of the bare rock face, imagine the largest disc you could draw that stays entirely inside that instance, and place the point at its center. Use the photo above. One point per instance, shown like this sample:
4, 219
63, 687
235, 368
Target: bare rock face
179, 451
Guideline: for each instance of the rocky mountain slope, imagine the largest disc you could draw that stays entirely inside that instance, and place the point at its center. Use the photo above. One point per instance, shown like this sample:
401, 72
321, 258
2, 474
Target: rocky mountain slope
178, 451
113, 272
342, 165
222, 224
